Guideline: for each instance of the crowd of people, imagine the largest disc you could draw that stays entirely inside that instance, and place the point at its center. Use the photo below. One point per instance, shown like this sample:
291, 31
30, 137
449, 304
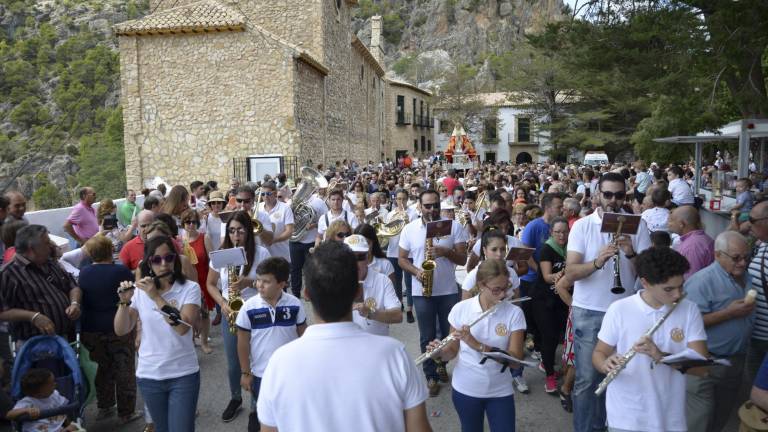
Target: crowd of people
499, 268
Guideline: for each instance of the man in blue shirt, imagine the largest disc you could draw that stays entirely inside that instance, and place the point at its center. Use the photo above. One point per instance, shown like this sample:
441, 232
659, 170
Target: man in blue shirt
719, 291
535, 233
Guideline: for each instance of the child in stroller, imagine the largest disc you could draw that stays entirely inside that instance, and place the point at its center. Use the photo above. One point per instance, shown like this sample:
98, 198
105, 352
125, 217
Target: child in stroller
39, 387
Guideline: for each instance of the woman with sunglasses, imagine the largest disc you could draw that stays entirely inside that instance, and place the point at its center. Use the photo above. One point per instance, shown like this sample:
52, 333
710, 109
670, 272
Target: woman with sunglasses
548, 309
168, 374
194, 242
493, 245
338, 231
479, 389
239, 234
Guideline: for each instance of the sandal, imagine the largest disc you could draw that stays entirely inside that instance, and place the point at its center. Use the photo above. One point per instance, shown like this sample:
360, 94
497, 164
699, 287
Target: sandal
565, 400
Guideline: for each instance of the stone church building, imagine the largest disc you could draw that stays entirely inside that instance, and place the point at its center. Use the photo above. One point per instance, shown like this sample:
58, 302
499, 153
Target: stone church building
207, 81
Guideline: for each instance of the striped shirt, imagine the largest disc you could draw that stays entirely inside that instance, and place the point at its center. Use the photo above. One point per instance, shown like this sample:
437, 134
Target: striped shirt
44, 289
757, 266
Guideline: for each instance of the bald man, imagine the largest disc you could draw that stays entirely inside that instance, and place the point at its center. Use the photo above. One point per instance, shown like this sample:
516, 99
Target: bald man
17, 206
718, 290
695, 245
133, 251
758, 269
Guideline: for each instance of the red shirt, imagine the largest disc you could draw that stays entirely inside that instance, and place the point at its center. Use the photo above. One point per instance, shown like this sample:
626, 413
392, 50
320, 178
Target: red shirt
132, 253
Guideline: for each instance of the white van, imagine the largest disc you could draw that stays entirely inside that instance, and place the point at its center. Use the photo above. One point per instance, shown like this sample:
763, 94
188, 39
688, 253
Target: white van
596, 158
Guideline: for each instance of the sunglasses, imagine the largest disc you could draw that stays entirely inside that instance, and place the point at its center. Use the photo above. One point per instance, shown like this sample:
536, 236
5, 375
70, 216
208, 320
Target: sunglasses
237, 231
431, 206
267, 193
157, 259
190, 221
342, 235
361, 256
619, 195
243, 200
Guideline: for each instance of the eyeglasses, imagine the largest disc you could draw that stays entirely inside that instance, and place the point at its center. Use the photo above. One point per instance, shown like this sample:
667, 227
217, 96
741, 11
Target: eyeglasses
157, 259
189, 221
267, 193
280, 197
361, 256
431, 206
243, 200
737, 258
756, 220
236, 230
620, 195
342, 235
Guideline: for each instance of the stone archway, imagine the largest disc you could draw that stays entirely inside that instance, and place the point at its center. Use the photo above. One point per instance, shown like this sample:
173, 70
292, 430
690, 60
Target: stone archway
523, 157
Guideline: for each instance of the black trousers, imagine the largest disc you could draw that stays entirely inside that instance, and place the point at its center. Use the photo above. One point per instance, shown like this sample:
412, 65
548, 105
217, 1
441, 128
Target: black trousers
527, 289
550, 315
299, 254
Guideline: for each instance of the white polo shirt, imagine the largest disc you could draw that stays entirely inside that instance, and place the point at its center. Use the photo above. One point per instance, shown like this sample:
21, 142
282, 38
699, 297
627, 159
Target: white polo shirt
379, 292
336, 377
471, 280
270, 327
382, 265
469, 376
260, 255
681, 192
656, 218
280, 216
163, 353
320, 208
594, 292
642, 397
413, 239
328, 218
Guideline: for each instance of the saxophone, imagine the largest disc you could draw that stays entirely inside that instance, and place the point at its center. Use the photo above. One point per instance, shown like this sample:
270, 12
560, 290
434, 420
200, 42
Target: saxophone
428, 266
234, 300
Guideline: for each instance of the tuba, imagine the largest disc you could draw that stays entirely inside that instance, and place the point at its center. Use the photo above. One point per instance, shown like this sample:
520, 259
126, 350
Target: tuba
234, 300
429, 265
303, 213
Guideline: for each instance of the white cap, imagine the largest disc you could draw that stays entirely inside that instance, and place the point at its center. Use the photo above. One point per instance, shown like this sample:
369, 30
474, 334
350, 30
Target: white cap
357, 243
447, 205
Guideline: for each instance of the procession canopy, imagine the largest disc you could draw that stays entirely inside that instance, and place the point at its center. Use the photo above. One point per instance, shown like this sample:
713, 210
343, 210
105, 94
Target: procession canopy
458, 135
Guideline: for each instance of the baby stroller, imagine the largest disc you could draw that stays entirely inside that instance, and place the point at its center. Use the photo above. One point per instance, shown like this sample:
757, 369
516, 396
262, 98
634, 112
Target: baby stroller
55, 354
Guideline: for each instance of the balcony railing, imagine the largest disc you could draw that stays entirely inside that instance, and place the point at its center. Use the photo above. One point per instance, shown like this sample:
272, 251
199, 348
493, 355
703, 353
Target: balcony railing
423, 121
512, 139
402, 118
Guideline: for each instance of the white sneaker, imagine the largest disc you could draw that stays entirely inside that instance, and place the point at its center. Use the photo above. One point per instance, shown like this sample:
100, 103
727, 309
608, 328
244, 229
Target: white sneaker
520, 384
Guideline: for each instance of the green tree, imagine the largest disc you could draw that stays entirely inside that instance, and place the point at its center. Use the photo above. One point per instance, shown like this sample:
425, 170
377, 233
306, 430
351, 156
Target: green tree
47, 196
457, 99
102, 159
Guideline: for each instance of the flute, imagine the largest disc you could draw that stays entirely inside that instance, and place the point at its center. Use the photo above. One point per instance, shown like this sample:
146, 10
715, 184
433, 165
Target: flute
450, 338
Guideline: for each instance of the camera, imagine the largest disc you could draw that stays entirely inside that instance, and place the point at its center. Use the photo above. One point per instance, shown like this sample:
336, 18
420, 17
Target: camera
109, 222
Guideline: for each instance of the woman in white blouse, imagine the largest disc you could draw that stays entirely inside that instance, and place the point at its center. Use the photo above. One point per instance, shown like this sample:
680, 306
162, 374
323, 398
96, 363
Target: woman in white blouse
481, 389
167, 369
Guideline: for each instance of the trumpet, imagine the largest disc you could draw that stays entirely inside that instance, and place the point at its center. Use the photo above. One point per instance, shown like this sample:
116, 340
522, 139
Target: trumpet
631, 353
617, 288
257, 226
450, 338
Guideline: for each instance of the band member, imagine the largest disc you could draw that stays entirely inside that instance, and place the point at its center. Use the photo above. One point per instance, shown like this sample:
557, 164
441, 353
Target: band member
239, 234
589, 263
499, 219
648, 395
480, 389
281, 218
167, 369
300, 249
335, 211
246, 201
379, 306
493, 246
401, 211
325, 380
377, 261
447, 252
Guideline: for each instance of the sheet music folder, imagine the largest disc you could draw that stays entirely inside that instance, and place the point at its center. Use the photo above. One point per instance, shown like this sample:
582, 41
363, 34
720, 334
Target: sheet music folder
629, 223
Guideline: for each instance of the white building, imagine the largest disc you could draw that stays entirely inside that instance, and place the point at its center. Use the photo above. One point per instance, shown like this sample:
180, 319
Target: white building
509, 136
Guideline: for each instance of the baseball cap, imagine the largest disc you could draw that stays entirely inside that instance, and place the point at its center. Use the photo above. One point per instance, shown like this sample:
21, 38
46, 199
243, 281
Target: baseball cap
357, 243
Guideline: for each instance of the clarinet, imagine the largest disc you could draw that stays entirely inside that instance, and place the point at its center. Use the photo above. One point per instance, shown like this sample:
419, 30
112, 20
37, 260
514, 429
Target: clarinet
631, 353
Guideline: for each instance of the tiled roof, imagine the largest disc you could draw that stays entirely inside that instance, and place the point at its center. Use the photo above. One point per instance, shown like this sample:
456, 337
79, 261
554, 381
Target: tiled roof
201, 17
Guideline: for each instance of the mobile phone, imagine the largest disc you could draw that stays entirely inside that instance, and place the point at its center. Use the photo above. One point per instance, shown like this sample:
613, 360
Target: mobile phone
109, 222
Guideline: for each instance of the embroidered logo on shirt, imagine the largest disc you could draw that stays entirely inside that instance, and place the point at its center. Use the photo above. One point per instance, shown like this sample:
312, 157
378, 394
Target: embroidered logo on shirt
370, 303
174, 303
501, 330
677, 334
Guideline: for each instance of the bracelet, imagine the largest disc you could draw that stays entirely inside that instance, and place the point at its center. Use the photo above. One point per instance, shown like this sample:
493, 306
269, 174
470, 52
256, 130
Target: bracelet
246, 373
124, 303
34, 317
482, 348
594, 264
74, 302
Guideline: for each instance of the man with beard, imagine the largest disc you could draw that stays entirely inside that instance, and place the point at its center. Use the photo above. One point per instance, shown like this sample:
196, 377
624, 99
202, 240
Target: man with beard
448, 252
590, 264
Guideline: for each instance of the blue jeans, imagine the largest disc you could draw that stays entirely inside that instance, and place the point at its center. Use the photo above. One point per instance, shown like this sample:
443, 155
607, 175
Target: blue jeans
172, 402
233, 364
299, 254
408, 286
588, 409
471, 410
399, 279
431, 312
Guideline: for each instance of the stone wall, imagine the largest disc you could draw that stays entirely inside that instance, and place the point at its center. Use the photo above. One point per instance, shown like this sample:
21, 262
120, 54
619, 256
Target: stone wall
296, 21
308, 109
401, 137
193, 102
365, 110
